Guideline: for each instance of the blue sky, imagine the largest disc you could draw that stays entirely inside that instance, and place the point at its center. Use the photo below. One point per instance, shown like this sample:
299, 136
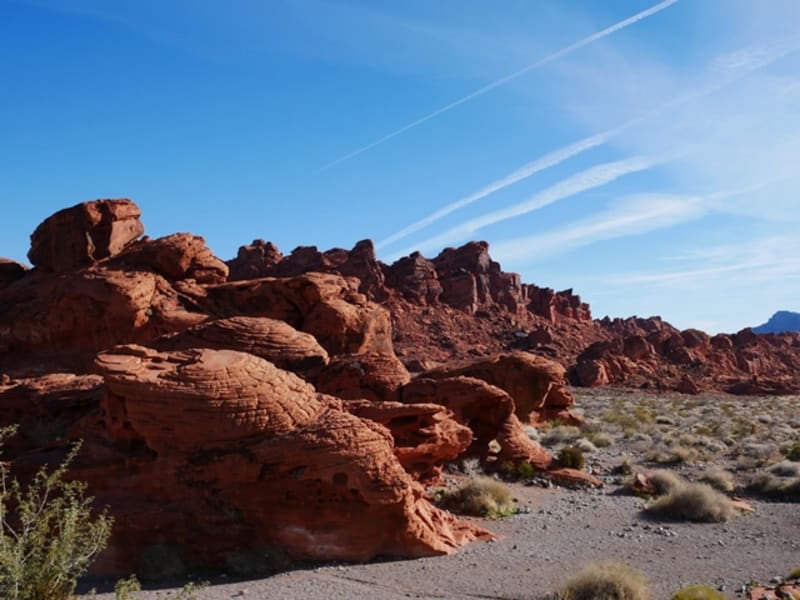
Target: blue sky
643, 153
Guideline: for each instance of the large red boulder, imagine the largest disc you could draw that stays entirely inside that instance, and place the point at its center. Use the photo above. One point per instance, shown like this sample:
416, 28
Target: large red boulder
371, 376
84, 234
253, 458
273, 340
177, 256
329, 307
537, 385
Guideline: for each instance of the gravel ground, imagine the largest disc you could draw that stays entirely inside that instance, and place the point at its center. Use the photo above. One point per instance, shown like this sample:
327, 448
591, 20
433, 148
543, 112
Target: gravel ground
559, 530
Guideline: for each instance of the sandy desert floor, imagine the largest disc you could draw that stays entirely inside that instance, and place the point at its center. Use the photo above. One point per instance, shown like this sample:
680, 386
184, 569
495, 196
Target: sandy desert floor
558, 530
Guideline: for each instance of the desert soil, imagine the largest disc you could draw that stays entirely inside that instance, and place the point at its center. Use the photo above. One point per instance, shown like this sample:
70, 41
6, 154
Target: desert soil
558, 530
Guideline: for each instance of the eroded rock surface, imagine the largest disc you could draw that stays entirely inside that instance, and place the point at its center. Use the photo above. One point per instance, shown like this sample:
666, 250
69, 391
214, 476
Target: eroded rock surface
84, 234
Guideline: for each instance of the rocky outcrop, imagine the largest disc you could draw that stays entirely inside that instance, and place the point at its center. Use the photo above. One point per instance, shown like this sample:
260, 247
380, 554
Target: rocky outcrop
88, 310
263, 459
273, 340
372, 376
327, 306
85, 234
10, 271
652, 353
426, 436
537, 386
175, 257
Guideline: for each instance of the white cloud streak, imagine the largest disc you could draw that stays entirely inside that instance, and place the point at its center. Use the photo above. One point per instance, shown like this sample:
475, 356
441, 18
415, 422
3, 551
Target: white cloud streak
503, 80
736, 65
594, 177
634, 215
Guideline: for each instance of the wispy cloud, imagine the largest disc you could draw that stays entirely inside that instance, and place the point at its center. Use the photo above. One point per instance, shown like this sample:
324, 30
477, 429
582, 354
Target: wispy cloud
503, 80
588, 179
733, 66
634, 215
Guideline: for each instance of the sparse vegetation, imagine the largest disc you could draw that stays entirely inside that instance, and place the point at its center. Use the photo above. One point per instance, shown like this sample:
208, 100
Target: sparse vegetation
795, 574
126, 589
694, 502
607, 581
571, 458
49, 534
719, 479
698, 592
480, 497
664, 481
792, 452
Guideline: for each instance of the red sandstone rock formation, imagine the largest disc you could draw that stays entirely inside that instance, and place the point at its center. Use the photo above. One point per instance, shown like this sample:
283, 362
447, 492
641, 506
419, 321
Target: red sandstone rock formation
273, 340
84, 234
371, 376
228, 436
10, 271
537, 385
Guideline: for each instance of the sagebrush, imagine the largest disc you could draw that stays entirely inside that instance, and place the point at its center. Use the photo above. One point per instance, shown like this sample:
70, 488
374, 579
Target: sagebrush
49, 533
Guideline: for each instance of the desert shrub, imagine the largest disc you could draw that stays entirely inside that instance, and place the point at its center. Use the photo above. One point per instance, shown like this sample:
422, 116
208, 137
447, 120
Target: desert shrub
664, 481
773, 485
600, 439
795, 574
480, 497
525, 470
571, 458
126, 589
792, 452
563, 434
698, 592
786, 468
694, 502
606, 581
586, 446
48, 533
672, 456
719, 478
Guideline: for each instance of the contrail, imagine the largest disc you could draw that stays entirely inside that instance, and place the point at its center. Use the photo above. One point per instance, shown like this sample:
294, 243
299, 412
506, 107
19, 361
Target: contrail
761, 57
503, 80
591, 178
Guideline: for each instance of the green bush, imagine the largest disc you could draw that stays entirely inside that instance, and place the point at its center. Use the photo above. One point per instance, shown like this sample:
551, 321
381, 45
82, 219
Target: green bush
571, 458
126, 589
606, 581
698, 592
48, 534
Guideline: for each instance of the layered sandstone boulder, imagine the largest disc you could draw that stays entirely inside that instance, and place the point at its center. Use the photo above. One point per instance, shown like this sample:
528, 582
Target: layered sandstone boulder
260, 459
329, 307
177, 256
85, 234
538, 386
371, 376
426, 436
273, 340
89, 310
486, 409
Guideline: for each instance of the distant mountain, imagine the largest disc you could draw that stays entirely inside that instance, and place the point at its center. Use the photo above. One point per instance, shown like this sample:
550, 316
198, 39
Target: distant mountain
781, 322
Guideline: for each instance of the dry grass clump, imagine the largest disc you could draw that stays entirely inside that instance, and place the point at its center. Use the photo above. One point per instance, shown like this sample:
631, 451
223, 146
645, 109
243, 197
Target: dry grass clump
698, 592
562, 434
719, 478
672, 456
480, 497
694, 502
600, 439
781, 481
606, 581
792, 452
586, 446
786, 468
571, 458
664, 481
795, 574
